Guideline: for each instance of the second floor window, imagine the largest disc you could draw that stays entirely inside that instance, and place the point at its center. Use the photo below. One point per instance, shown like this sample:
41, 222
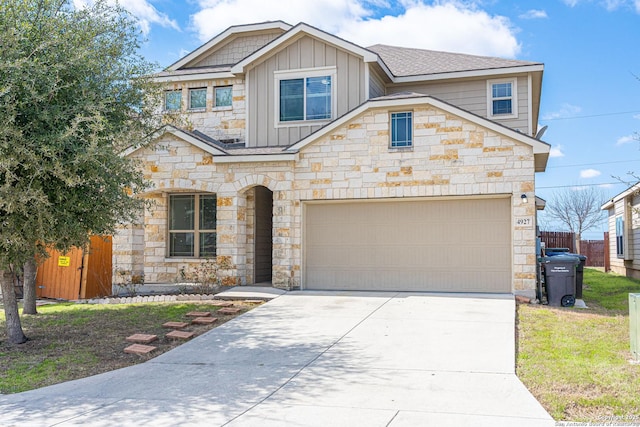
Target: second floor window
502, 101
173, 100
308, 98
197, 99
223, 96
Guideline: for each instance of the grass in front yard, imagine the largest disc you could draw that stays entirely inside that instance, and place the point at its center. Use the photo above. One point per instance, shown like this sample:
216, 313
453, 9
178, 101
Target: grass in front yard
69, 341
576, 361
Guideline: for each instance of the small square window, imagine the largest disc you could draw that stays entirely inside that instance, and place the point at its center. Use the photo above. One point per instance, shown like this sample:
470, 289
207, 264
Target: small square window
401, 129
173, 100
224, 96
197, 99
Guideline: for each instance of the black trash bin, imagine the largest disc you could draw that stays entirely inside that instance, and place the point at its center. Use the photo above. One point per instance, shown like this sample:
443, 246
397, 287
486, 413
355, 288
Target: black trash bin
560, 279
579, 269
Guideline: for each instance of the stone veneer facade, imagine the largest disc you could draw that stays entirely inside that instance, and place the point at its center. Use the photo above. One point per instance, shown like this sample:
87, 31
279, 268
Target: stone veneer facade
449, 157
220, 123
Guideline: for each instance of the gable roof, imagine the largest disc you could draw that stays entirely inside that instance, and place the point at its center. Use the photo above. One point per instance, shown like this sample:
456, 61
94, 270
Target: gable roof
540, 149
196, 138
292, 34
231, 31
405, 62
632, 190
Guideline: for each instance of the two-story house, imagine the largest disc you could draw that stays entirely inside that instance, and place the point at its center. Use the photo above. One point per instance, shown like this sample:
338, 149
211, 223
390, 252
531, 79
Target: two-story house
310, 162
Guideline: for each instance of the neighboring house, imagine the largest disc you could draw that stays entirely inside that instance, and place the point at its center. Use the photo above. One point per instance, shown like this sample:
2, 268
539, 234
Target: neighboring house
310, 162
624, 233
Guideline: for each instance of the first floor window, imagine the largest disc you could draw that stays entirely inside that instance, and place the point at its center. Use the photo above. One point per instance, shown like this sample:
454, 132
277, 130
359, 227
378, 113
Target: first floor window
401, 129
192, 225
173, 100
197, 98
620, 237
224, 96
306, 98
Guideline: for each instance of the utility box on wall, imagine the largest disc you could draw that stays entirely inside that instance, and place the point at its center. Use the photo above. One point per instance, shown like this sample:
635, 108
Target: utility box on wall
634, 325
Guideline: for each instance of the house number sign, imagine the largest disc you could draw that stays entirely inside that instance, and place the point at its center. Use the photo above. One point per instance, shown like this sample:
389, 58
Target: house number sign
64, 261
523, 221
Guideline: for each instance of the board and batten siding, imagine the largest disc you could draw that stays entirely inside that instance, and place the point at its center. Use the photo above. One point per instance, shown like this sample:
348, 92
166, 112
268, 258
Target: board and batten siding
303, 54
471, 95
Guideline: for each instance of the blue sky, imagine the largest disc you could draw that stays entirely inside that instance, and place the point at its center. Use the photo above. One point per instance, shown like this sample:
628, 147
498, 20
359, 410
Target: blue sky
590, 48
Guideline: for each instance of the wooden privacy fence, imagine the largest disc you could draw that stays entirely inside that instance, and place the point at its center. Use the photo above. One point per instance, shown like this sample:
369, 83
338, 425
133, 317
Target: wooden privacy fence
594, 250
558, 239
78, 273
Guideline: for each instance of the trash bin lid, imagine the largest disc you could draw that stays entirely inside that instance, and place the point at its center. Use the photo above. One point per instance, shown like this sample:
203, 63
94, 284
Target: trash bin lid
561, 259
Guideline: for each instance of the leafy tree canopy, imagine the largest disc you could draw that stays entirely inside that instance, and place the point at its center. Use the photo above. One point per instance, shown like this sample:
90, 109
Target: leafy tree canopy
72, 96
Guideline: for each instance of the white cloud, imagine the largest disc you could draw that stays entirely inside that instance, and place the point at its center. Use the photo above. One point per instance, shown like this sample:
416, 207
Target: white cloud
535, 14
637, 116
589, 173
626, 139
556, 151
565, 111
609, 5
612, 5
142, 10
450, 25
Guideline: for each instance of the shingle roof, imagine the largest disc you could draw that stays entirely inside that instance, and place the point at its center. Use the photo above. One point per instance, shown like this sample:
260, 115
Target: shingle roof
403, 62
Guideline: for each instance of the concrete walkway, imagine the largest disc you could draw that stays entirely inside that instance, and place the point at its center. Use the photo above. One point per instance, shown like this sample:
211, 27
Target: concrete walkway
315, 359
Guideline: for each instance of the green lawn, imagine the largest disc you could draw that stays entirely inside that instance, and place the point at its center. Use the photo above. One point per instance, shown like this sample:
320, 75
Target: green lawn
69, 341
577, 361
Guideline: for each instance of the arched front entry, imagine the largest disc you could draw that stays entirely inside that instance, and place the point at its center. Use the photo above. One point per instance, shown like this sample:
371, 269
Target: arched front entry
263, 236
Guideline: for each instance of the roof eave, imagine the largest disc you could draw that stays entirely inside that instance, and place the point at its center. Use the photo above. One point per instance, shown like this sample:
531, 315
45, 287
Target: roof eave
540, 149
469, 73
193, 77
253, 158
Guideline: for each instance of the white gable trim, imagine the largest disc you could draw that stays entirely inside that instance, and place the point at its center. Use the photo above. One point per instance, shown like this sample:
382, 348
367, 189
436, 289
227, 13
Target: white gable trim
626, 193
296, 31
178, 134
470, 73
254, 158
194, 76
225, 34
539, 147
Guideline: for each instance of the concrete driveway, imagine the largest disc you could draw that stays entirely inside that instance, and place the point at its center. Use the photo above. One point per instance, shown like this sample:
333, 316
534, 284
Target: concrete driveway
315, 359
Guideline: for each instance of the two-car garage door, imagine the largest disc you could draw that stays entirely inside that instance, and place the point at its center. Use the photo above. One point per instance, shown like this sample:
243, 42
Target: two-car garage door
461, 245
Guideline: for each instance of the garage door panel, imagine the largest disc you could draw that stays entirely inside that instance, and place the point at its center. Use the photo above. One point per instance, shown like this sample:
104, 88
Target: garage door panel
430, 245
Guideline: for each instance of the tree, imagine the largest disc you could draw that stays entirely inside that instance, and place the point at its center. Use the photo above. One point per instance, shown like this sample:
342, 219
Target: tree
577, 209
72, 97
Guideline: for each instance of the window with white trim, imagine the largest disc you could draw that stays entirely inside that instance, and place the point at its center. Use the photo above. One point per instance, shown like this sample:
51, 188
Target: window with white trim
401, 129
192, 225
223, 96
197, 99
173, 100
501, 98
620, 237
305, 95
